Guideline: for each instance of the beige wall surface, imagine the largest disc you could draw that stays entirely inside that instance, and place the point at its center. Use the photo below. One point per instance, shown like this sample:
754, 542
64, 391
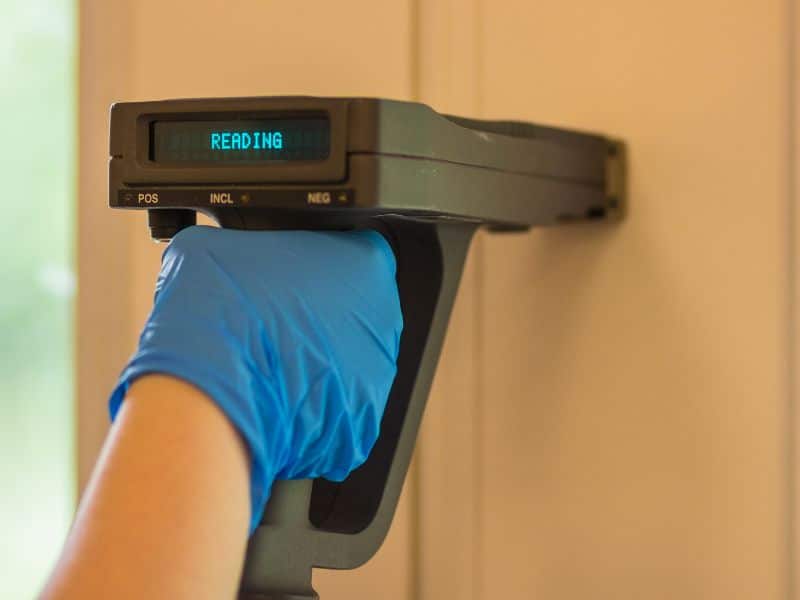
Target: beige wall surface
612, 414
635, 385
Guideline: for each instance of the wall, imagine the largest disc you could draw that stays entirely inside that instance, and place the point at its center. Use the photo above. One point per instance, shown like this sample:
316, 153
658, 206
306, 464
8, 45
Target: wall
645, 455
631, 433
613, 414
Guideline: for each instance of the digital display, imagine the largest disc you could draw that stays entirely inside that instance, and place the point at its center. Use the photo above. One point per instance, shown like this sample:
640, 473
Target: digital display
240, 141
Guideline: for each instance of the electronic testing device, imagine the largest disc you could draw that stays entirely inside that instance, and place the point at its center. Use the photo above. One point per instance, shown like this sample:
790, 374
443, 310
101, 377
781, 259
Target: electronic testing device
425, 180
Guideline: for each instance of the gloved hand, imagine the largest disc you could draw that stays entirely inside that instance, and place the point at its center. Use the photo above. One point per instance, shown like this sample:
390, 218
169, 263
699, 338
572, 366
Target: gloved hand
293, 334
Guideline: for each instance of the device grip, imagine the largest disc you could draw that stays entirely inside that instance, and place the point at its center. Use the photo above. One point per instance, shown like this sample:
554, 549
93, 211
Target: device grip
341, 525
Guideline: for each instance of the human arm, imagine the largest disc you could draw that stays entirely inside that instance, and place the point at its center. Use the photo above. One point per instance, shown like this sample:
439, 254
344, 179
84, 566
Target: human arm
292, 336
152, 524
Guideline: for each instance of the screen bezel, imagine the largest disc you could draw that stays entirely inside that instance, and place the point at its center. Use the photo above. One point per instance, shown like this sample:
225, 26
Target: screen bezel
331, 169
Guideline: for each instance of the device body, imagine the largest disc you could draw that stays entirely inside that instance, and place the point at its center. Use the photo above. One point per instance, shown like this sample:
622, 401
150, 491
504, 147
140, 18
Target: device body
426, 181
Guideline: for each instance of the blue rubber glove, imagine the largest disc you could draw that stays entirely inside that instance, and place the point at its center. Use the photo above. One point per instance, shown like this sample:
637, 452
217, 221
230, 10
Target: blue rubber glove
293, 334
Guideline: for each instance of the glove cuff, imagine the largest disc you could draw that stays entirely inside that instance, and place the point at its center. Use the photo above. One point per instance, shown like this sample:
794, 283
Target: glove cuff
242, 400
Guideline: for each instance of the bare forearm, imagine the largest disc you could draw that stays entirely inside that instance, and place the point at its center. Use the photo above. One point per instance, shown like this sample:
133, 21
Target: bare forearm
166, 512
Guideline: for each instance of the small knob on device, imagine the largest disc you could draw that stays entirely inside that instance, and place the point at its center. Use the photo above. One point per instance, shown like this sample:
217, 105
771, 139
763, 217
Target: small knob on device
166, 222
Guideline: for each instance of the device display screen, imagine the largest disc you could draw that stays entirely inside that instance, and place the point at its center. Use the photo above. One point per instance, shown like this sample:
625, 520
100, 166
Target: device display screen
240, 141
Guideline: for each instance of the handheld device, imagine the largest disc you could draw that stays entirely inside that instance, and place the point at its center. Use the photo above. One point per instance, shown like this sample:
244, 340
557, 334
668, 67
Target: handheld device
425, 180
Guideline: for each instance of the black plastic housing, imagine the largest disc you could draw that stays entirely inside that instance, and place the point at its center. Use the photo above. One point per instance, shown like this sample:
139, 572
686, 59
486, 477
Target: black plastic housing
386, 157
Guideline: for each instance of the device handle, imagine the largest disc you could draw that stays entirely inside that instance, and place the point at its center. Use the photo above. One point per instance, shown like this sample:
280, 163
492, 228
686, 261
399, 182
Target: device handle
341, 525
289, 571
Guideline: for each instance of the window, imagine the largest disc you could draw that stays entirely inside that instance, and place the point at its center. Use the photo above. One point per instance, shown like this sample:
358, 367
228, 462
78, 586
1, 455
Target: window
37, 164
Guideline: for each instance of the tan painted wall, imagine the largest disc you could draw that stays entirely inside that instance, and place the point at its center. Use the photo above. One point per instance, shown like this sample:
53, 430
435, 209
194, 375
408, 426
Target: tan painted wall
645, 455
631, 434
612, 414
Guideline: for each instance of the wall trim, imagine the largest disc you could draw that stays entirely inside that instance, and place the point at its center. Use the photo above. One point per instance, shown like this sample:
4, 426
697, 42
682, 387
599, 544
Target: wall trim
103, 252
